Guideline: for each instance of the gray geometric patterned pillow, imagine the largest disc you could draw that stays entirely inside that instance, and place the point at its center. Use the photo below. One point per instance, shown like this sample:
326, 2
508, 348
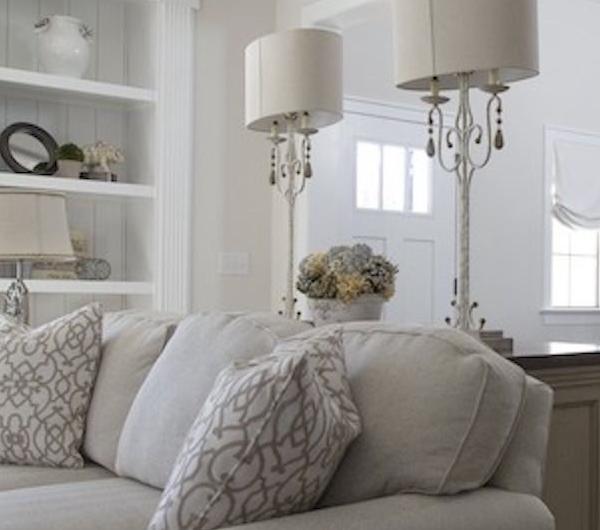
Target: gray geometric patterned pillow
46, 381
266, 442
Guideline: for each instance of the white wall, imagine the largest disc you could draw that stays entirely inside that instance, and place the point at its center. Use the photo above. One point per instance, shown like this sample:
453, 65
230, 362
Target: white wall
232, 199
508, 196
236, 212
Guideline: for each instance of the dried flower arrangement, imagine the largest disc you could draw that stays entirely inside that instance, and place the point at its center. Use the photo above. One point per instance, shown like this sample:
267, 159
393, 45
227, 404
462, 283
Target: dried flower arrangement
345, 273
102, 156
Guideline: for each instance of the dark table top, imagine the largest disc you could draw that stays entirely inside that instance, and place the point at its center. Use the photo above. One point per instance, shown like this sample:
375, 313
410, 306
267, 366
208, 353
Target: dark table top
555, 355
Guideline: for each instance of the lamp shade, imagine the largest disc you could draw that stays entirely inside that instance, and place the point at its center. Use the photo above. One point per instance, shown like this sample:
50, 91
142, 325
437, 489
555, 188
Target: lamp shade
295, 71
33, 225
440, 38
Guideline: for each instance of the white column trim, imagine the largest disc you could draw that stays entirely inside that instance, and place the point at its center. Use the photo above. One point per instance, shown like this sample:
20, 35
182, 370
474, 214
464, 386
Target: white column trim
175, 132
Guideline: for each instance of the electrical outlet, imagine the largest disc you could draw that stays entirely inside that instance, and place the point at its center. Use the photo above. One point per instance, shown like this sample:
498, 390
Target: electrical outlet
234, 263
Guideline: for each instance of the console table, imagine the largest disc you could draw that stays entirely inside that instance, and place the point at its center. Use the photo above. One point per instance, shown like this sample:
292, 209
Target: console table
572, 490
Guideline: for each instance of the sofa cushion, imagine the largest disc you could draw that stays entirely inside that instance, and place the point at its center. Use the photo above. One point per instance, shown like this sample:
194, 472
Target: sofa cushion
180, 381
111, 504
266, 442
46, 381
18, 477
131, 343
438, 410
484, 509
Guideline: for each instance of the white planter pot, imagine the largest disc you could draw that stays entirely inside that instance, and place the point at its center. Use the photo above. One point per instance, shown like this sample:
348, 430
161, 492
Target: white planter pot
64, 45
327, 311
69, 169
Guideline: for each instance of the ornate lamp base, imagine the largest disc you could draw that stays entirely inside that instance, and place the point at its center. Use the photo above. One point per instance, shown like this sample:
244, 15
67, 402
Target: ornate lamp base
460, 140
17, 298
470, 325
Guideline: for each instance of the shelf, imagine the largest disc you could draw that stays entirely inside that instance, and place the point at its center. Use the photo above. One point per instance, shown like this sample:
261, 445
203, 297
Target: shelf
65, 89
77, 186
192, 4
83, 287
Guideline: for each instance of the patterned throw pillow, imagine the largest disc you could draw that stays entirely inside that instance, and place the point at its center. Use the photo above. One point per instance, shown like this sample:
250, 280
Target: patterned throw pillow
46, 381
266, 442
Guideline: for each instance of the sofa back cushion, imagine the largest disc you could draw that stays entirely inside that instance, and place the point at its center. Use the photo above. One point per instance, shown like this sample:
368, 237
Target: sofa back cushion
131, 343
438, 410
180, 381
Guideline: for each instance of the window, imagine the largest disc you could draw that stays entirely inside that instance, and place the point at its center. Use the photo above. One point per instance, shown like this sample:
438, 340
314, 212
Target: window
573, 195
575, 270
392, 178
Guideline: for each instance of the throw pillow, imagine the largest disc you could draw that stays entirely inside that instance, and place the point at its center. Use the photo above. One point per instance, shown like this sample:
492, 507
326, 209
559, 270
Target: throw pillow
46, 380
266, 442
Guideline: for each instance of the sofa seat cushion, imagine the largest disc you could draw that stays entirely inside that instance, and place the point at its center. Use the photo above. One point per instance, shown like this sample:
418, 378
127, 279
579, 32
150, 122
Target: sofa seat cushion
115, 504
18, 477
180, 381
131, 343
485, 509
438, 408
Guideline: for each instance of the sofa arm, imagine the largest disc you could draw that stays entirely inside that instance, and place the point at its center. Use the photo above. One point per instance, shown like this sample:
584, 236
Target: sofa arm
523, 465
477, 510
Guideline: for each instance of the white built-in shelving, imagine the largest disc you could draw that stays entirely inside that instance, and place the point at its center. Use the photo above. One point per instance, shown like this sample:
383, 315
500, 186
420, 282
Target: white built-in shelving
85, 287
24, 83
137, 95
77, 187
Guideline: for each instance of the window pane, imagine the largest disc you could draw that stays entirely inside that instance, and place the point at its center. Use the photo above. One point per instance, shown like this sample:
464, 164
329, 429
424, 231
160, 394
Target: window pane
583, 282
421, 181
560, 281
560, 238
584, 242
368, 164
394, 178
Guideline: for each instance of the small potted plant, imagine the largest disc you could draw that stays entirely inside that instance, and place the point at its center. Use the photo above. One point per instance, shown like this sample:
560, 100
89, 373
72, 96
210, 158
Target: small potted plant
346, 284
69, 158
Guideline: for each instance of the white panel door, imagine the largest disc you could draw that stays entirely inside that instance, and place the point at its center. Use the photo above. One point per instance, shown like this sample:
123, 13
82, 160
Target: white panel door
384, 191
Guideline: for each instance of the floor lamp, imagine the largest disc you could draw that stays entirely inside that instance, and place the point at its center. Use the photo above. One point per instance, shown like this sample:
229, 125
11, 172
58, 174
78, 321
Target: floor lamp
33, 227
293, 89
460, 45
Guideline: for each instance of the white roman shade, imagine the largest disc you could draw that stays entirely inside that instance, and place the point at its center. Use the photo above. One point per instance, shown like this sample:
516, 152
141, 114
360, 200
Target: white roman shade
33, 225
576, 186
440, 38
295, 71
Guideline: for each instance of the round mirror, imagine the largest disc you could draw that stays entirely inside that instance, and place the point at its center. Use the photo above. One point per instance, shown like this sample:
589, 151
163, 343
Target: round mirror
27, 148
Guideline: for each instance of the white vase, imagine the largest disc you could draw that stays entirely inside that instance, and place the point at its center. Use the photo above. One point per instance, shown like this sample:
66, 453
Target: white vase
327, 311
69, 169
64, 45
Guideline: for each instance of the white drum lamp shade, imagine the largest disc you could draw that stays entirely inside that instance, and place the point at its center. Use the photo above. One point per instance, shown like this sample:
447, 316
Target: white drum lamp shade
440, 38
33, 225
294, 72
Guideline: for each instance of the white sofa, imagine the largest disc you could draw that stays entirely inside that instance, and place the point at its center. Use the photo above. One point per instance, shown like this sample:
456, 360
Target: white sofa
365, 492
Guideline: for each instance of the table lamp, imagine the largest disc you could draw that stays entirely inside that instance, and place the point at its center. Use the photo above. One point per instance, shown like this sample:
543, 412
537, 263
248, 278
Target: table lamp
33, 227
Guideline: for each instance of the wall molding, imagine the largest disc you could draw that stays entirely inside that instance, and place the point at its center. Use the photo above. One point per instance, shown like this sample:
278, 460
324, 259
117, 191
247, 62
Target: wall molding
341, 14
388, 110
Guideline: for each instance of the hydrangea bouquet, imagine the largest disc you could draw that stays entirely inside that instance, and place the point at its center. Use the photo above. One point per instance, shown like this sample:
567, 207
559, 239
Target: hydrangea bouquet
346, 273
